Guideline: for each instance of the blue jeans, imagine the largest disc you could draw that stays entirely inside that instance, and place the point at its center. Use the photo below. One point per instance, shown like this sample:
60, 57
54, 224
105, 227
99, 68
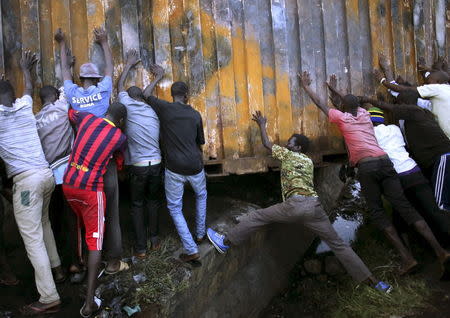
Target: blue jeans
174, 185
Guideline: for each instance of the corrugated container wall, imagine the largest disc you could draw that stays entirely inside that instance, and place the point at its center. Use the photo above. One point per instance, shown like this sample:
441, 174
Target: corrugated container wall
237, 56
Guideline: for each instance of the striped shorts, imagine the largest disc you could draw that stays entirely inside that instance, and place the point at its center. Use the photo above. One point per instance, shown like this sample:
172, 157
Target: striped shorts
441, 182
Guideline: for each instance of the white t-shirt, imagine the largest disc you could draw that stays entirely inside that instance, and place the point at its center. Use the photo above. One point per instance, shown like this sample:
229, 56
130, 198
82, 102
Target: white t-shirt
439, 94
391, 140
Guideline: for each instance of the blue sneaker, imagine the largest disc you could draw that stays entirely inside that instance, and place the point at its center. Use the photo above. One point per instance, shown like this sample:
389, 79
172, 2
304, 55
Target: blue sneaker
217, 240
383, 287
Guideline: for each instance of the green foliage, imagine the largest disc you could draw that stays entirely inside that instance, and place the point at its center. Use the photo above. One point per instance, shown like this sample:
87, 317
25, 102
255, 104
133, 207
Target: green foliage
164, 275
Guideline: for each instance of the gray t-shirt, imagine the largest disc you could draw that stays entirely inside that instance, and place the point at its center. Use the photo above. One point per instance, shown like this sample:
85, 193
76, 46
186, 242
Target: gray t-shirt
54, 129
20, 146
142, 131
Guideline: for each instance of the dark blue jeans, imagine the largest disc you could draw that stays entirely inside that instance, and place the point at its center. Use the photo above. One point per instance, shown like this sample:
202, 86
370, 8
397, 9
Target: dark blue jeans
145, 193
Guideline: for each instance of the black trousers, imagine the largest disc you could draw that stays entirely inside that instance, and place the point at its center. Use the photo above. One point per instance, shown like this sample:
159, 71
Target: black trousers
377, 178
422, 198
2, 237
64, 226
145, 194
112, 242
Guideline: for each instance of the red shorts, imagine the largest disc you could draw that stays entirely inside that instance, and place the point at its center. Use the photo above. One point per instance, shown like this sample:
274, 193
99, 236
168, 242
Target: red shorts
90, 207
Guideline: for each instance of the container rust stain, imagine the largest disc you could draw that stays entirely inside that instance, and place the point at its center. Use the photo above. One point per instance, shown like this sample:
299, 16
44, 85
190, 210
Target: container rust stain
236, 56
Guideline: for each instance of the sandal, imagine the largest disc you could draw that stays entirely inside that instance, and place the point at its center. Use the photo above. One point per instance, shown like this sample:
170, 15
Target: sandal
410, 269
97, 301
31, 310
122, 267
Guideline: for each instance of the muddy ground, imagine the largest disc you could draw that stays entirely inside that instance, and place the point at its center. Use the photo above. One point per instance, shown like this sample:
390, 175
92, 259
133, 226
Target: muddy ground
297, 300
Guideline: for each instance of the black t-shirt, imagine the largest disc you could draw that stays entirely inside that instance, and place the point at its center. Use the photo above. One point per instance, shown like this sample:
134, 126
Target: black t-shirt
181, 136
426, 140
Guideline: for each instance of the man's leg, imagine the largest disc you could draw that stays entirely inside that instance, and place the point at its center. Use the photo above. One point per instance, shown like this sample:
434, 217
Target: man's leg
113, 233
49, 239
154, 199
423, 199
6, 275
94, 243
174, 185
255, 220
321, 226
370, 175
90, 205
393, 191
28, 198
198, 183
138, 181
441, 182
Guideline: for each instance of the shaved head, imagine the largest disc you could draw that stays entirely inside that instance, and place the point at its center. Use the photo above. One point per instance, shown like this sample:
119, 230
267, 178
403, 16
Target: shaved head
438, 77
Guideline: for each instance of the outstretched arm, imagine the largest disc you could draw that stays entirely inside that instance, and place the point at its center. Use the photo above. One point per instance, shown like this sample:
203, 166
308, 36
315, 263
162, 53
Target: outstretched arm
440, 64
386, 67
262, 123
335, 95
379, 77
158, 72
132, 60
102, 38
65, 59
305, 81
27, 62
376, 103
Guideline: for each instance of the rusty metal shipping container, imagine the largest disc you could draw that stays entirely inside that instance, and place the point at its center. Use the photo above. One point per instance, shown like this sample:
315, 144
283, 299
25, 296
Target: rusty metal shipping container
237, 56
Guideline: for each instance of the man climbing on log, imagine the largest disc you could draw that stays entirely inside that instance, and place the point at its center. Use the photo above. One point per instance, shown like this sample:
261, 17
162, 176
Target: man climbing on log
375, 173
301, 205
182, 139
94, 97
143, 158
33, 184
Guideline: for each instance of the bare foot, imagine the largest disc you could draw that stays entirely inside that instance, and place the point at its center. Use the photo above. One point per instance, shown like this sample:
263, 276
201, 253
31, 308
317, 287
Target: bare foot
445, 256
408, 268
88, 309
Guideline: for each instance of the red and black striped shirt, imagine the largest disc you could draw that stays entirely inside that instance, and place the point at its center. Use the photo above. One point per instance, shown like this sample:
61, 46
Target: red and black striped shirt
96, 141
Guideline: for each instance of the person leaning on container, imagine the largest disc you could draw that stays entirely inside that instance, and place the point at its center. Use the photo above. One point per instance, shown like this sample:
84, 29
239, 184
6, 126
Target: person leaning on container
375, 173
57, 136
96, 141
300, 205
33, 184
94, 97
143, 159
433, 155
182, 138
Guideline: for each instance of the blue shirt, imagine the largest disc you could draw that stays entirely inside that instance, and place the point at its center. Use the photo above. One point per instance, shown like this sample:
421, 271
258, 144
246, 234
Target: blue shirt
94, 99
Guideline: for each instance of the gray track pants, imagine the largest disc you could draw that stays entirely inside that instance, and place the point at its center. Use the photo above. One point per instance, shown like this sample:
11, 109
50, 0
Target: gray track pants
309, 212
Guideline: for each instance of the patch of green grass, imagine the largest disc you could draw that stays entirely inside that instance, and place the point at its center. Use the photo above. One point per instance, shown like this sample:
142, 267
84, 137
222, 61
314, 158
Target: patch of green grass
340, 297
410, 293
165, 277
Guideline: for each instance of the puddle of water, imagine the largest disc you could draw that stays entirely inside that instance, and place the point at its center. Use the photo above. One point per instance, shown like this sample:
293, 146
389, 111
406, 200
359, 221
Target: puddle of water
346, 230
